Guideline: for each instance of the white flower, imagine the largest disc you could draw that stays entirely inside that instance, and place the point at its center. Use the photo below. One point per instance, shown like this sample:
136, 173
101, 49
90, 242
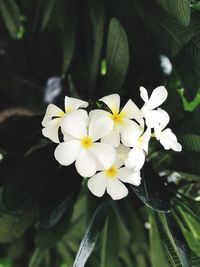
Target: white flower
54, 116
82, 147
137, 155
112, 179
166, 137
158, 96
121, 122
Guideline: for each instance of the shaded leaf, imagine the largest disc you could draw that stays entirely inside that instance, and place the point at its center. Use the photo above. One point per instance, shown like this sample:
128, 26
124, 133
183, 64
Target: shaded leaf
92, 234
190, 142
58, 195
47, 11
23, 184
152, 191
117, 57
37, 258
11, 15
179, 9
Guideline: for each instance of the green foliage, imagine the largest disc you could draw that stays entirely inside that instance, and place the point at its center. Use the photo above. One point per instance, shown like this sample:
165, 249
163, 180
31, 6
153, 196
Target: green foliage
93, 48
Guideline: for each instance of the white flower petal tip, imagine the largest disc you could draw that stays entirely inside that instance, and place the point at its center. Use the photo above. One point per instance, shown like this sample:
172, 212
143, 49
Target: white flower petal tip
112, 101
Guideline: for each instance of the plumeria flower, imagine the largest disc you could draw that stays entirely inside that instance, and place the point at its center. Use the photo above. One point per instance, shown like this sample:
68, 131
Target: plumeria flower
120, 121
54, 116
166, 137
137, 155
158, 96
112, 180
82, 146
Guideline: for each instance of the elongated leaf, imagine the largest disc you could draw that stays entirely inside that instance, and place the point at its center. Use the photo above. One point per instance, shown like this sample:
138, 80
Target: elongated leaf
22, 187
190, 142
157, 254
37, 258
193, 47
11, 15
189, 163
169, 35
179, 9
97, 18
117, 57
47, 11
109, 244
92, 234
190, 226
175, 247
58, 195
152, 191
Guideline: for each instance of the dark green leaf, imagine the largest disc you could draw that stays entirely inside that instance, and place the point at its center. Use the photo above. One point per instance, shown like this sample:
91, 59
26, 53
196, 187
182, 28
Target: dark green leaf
179, 9
152, 191
117, 57
48, 8
23, 184
174, 245
58, 194
109, 242
97, 18
37, 258
190, 142
11, 15
189, 224
92, 234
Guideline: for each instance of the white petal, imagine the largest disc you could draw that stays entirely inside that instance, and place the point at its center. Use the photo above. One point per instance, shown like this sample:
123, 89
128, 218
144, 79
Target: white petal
130, 131
129, 176
122, 154
113, 138
51, 130
67, 152
116, 189
97, 184
74, 104
75, 124
144, 94
158, 96
100, 125
95, 112
112, 101
131, 111
162, 118
52, 111
145, 140
86, 164
104, 153
151, 117
136, 159
168, 140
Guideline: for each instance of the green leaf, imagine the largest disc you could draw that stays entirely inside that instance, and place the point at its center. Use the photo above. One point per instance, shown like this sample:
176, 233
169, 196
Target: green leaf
193, 47
109, 244
53, 204
47, 238
175, 248
169, 35
11, 16
152, 191
92, 234
190, 142
179, 9
47, 11
117, 57
189, 224
23, 184
37, 258
189, 163
97, 15
157, 254
12, 227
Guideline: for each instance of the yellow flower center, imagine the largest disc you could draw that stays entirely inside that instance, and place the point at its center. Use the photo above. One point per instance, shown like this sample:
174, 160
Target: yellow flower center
111, 172
61, 114
68, 109
87, 142
118, 118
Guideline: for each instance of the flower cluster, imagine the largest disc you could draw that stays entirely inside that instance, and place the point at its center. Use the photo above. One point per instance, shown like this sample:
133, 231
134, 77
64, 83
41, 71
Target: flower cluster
109, 147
